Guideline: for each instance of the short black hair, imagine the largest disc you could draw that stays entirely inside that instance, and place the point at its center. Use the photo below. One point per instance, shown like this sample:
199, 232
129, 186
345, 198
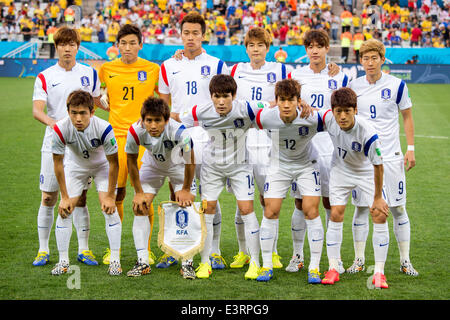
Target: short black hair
222, 83
80, 98
156, 107
194, 17
129, 29
344, 97
287, 88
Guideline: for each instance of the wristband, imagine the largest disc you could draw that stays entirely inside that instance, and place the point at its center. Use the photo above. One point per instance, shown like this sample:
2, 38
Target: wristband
410, 148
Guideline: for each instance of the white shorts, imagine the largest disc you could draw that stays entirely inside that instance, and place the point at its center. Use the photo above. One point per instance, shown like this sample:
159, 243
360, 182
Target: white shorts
394, 189
152, 179
360, 186
79, 179
47, 178
240, 178
304, 180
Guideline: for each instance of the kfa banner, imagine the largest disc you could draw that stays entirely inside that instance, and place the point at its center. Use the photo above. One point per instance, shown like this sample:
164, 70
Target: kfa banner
182, 231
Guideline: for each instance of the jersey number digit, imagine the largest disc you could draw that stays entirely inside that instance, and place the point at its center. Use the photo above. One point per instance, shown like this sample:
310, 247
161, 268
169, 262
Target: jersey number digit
342, 152
191, 87
159, 157
256, 93
317, 100
128, 90
373, 112
85, 154
290, 144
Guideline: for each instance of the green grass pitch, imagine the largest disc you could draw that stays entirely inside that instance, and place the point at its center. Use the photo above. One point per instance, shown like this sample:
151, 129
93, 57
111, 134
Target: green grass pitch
427, 187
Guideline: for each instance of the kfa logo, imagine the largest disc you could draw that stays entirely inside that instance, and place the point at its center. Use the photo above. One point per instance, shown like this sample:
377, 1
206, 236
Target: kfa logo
96, 143
386, 94
239, 123
181, 219
303, 131
168, 144
271, 77
205, 71
142, 75
84, 81
332, 84
356, 146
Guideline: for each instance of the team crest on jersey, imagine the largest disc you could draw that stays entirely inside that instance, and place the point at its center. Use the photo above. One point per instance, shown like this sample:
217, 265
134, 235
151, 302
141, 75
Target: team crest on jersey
142, 75
303, 131
239, 123
271, 77
386, 93
205, 70
332, 84
168, 144
84, 81
356, 146
181, 219
96, 143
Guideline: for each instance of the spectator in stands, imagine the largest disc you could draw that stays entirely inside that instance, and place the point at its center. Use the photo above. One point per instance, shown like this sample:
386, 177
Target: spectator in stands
416, 36
346, 41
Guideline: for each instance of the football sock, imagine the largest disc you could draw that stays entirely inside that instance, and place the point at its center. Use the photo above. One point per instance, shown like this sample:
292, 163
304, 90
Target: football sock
119, 205
315, 238
334, 242
44, 223
268, 234
81, 221
275, 240
360, 229
298, 229
113, 227
328, 215
217, 229
380, 241
63, 232
240, 231
151, 216
205, 253
402, 231
141, 232
252, 236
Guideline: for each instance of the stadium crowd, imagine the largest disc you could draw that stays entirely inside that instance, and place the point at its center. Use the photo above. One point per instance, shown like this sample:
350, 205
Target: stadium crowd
420, 24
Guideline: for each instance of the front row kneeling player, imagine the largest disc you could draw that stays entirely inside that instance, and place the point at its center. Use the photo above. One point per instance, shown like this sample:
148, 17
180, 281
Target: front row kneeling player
92, 153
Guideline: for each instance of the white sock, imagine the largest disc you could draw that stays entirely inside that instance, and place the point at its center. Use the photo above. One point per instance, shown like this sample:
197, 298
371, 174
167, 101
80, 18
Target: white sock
240, 231
275, 242
206, 252
268, 234
113, 227
360, 229
315, 238
81, 221
380, 242
402, 231
44, 224
328, 215
298, 229
63, 232
334, 242
217, 229
251, 225
141, 233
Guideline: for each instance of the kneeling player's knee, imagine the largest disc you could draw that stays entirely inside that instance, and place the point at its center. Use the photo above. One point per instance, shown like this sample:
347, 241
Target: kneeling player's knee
298, 204
378, 216
49, 199
121, 192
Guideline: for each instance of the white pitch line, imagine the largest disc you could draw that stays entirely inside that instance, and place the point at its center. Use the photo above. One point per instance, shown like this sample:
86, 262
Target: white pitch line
429, 137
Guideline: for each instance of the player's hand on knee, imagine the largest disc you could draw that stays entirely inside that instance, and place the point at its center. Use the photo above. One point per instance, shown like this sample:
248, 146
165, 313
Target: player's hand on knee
184, 198
140, 205
65, 208
379, 206
109, 205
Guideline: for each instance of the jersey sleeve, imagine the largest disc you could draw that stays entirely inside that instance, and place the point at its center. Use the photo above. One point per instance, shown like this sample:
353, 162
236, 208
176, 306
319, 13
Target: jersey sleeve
403, 100
184, 139
325, 119
222, 68
109, 141
163, 82
101, 76
96, 86
189, 117
372, 150
58, 141
132, 144
40, 88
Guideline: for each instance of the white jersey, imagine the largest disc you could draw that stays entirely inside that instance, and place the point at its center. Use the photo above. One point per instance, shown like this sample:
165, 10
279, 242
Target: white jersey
187, 81
290, 140
227, 134
355, 150
87, 149
256, 85
379, 103
316, 90
165, 151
